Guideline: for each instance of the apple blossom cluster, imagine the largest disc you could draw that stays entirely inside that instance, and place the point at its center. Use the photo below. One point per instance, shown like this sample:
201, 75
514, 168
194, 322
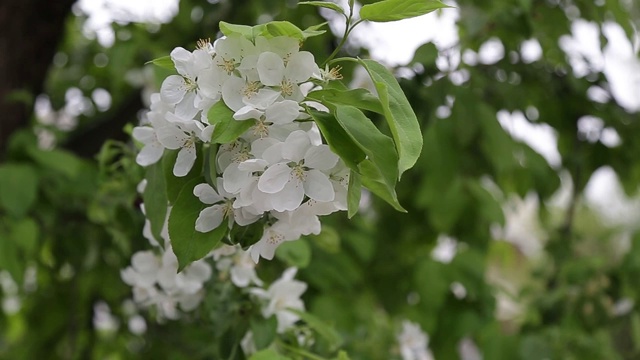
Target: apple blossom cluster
157, 283
154, 276
276, 170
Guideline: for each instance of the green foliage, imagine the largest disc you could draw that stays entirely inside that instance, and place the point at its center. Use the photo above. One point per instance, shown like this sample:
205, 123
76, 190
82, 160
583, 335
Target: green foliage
77, 224
189, 244
393, 10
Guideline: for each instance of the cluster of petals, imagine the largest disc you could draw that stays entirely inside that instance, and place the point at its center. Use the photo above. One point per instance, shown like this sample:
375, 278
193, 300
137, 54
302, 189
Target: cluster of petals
279, 171
157, 283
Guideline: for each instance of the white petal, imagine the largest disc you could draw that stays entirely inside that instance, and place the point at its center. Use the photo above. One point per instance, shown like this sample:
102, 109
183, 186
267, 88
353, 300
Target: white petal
232, 93
150, 154
247, 112
282, 112
273, 154
300, 67
318, 186
320, 157
173, 89
144, 134
182, 59
206, 194
186, 108
210, 218
185, 160
290, 197
270, 69
262, 99
274, 178
171, 137
206, 134
296, 145
235, 179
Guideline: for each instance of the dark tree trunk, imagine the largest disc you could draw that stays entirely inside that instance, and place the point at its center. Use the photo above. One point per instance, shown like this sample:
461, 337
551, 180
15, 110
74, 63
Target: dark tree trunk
30, 31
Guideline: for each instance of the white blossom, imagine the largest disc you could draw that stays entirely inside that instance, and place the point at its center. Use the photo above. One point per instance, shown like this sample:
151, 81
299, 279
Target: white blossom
282, 295
413, 342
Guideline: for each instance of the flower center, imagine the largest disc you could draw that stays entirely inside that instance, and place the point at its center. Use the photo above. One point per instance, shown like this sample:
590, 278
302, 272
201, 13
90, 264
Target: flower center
274, 238
251, 89
286, 87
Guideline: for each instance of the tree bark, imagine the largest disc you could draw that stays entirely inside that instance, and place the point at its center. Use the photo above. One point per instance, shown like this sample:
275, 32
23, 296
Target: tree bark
30, 31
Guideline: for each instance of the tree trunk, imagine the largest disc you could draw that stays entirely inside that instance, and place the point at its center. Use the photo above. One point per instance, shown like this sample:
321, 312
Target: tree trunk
30, 31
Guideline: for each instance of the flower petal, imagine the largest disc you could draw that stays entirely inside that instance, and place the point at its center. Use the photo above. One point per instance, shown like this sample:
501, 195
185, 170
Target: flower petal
270, 68
173, 89
320, 157
210, 218
318, 186
274, 178
184, 161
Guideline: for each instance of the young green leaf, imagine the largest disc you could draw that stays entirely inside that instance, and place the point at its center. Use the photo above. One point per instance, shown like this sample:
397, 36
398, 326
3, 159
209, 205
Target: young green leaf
324, 4
295, 253
338, 140
400, 117
18, 188
263, 330
360, 98
210, 169
155, 199
380, 170
230, 29
283, 28
227, 129
374, 180
393, 10
268, 354
164, 62
354, 192
188, 244
314, 30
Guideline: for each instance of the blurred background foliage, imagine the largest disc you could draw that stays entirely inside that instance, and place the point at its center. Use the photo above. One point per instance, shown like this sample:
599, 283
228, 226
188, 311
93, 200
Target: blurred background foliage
500, 256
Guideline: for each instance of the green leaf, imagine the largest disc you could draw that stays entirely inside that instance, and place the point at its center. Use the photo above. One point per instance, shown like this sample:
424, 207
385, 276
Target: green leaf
380, 170
264, 331
188, 244
342, 355
18, 188
246, 236
328, 239
227, 129
210, 171
400, 117
314, 30
231, 29
10, 259
325, 331
155, 199
295, 253
373, 180
354, 192
360, 98
25, 234
324, 4
57, 160
268, 354
338, 139
426, 54
393, 10
164, 62
283, 28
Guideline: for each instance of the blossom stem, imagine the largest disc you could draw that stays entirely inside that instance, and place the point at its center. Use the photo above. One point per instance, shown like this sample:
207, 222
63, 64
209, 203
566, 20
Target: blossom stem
348, 28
